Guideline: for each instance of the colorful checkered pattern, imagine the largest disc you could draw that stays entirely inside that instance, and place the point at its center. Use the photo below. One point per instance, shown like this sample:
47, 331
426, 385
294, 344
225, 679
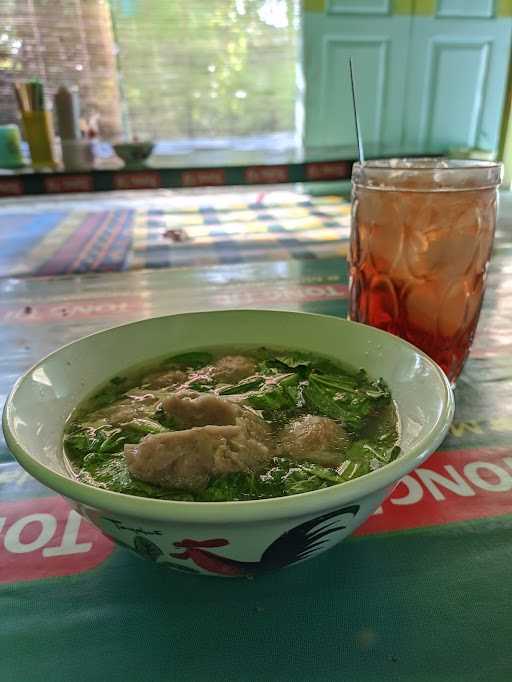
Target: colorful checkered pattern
188, 231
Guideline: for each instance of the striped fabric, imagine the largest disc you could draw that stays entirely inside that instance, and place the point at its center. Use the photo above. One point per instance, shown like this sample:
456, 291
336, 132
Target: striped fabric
196, 230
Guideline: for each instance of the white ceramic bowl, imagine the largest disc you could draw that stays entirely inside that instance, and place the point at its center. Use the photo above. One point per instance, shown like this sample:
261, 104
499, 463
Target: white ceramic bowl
225, 538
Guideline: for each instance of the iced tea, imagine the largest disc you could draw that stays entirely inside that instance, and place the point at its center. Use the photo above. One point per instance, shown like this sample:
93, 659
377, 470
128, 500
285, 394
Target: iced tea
421, 239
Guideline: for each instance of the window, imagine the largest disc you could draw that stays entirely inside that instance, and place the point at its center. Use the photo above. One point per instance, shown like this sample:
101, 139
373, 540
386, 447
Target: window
60, 42
195, 74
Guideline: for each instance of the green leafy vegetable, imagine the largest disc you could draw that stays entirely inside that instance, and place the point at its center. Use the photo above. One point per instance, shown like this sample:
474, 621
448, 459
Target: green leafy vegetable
83, 440
161, 416
283, 395
286, 477
364, 450
145, 426
245, 386
200, 386
78, 442
351, 399
113, 440
225, 488
111, 392
118, 381
309, 477
291, 362
194, 360
241, 486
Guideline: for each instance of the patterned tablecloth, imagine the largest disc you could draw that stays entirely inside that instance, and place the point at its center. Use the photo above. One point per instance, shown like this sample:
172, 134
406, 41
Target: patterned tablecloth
423, 592
108, 234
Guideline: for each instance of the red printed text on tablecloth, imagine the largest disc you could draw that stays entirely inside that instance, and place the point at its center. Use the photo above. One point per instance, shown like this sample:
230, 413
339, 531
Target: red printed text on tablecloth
138, 305
76, 309
44, 537
456, 485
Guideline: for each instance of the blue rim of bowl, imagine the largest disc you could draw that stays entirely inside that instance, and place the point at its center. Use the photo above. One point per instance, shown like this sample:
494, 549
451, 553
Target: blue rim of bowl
240, 511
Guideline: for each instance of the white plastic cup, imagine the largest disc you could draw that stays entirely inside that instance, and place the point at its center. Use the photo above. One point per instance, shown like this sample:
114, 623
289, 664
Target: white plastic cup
77, 155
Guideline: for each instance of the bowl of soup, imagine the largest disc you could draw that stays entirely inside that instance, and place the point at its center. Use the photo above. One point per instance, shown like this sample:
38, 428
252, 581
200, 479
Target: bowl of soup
229, 443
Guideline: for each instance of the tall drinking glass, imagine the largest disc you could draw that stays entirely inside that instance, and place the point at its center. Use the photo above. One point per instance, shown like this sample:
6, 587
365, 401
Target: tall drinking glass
421, 239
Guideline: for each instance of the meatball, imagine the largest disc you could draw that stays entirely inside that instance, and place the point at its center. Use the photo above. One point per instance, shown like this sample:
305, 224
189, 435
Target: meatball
122, 412
188, 459
169, 378
254, 426
190, 408
233, 368
316, 439
218, 437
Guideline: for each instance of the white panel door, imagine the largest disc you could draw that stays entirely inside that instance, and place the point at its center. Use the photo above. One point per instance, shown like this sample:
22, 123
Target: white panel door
378, 42
457, 79
426, 82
